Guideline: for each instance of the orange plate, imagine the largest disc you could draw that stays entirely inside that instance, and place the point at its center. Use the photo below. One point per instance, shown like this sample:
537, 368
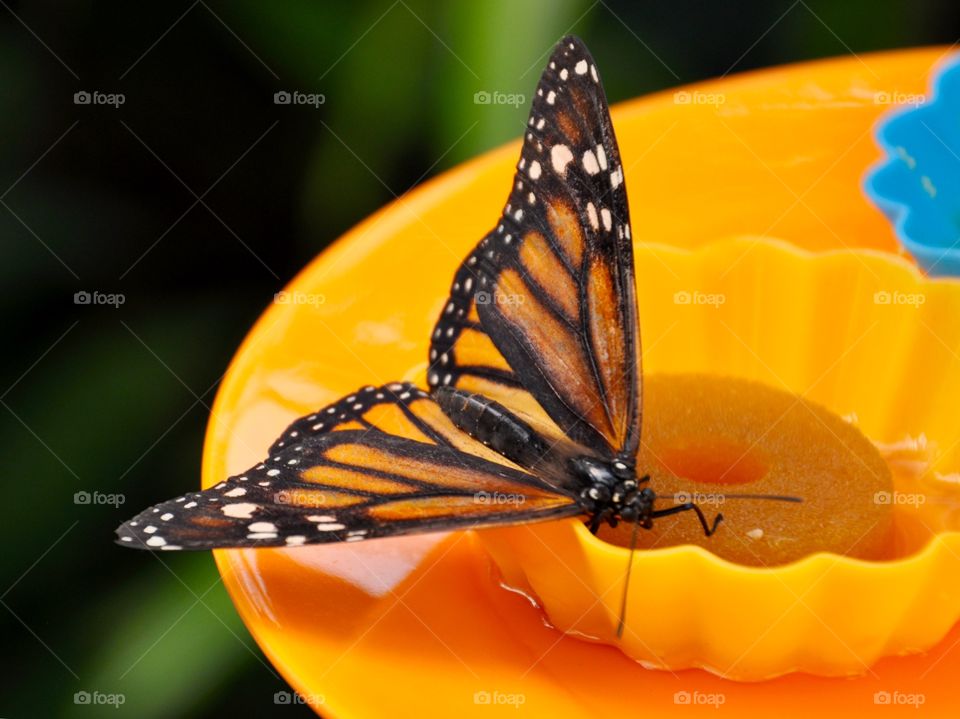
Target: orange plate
416, 626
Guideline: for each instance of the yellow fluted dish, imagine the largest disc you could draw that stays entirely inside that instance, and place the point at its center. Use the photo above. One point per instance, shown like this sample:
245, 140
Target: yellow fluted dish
859, 332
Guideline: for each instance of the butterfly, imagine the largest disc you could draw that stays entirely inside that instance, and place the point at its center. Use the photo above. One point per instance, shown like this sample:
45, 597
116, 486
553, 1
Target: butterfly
534, 402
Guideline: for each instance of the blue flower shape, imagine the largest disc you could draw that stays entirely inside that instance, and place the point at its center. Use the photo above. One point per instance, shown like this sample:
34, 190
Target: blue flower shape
917, 184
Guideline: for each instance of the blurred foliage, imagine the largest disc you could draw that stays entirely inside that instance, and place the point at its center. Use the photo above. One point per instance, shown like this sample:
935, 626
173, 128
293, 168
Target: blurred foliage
97, 198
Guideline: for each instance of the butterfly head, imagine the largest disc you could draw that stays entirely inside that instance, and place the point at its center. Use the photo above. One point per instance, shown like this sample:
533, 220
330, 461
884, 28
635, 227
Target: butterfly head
612, 491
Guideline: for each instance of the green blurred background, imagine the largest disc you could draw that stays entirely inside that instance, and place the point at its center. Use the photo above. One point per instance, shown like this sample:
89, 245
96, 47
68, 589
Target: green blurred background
197, 199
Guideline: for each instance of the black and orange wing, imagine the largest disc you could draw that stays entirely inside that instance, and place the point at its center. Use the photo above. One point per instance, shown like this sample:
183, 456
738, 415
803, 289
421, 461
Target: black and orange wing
384, 461
542, 315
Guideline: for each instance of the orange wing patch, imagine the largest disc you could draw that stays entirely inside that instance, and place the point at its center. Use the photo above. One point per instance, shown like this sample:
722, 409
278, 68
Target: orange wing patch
543, 266
355, 480
565, 225
475, 348
609, 345
481, 506
556, 347
318, 498
449, 476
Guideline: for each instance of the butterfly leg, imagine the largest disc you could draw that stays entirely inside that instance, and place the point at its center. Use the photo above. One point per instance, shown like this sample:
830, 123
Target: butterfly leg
597, 520
708, 530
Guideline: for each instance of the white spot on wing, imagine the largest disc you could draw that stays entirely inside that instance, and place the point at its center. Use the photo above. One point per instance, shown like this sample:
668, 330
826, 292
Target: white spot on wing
616, 178
560, 156
607, 219
240, 510
592, 216
590, 163
237, 492
581, 67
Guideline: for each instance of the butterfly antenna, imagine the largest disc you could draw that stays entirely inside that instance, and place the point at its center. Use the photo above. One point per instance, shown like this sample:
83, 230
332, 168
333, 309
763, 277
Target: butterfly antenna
772, 497
621, 623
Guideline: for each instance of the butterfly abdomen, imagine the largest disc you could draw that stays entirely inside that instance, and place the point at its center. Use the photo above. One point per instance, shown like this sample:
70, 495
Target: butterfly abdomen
492, 424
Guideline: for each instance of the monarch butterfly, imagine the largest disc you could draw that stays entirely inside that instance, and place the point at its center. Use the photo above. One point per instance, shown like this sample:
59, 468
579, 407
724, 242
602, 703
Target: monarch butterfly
535, 385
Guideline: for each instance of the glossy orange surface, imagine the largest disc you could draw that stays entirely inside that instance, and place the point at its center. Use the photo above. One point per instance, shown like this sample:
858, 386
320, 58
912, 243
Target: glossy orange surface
417, 626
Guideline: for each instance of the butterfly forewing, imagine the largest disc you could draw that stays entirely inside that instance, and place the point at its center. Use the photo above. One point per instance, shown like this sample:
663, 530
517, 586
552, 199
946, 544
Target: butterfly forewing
381, 462
542, 314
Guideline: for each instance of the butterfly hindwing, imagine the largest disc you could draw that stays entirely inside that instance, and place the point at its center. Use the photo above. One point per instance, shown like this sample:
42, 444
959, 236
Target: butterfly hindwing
542, 314
385, 461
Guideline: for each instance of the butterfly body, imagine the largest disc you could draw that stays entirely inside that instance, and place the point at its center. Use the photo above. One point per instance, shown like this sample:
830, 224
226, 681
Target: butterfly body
608, 488
492, 424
